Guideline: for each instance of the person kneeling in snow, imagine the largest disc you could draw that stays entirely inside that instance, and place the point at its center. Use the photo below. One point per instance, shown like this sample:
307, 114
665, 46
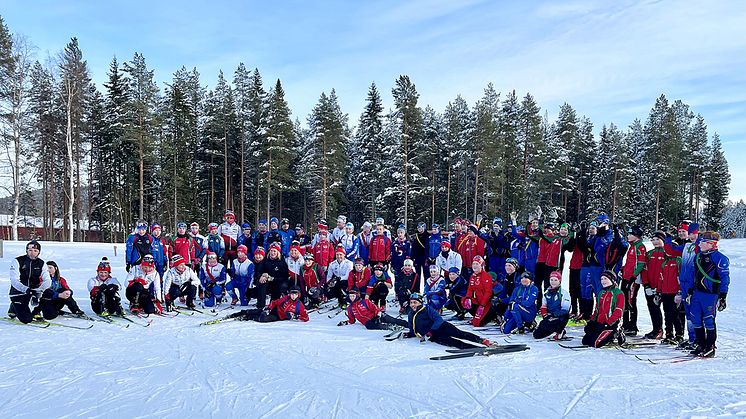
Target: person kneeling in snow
104, 291
602, 327
57, 296
180, 282
288, 307
144, 287
426, 324
555, 310
212, 278
522, 306
369, 315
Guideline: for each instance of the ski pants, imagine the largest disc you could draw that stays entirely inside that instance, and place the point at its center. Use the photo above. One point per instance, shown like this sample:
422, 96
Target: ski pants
213, 295
671, 311
240, 284
449, 335
704, 308
655, 312
50, 307
139, 297
630, 288
187, 290
516, 316
385, 322
106, 299
598, 334
379, 294
551, 324
575, 290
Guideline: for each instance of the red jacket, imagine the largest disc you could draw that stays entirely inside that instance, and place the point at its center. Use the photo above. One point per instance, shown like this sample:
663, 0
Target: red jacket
636, 259
362, 310
380, 249
661, 272
358, 279
183, 246
543, 249
469, 248
460, 242
576, 261
556, 250
480, 288
311, 277
609, 306
285, 306
323, 253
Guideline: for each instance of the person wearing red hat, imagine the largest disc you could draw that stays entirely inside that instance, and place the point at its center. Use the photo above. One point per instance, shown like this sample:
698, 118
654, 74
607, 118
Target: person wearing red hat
104, 291
369, 315
447, 258
295, 263
212, 277
242, 274
555, 309
337, 276
180, 282
479, 293
144, 288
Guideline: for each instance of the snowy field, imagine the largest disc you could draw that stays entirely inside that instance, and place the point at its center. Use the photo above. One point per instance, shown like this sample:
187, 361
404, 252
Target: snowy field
176, 369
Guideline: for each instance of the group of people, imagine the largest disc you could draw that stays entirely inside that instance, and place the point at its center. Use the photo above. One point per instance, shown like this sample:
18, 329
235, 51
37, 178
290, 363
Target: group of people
492, 273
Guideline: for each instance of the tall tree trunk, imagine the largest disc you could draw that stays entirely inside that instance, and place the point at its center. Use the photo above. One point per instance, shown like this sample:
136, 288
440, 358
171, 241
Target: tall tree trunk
141, 147
269, 182
448, 193
243, 178
226, 192
70, 163
476, 187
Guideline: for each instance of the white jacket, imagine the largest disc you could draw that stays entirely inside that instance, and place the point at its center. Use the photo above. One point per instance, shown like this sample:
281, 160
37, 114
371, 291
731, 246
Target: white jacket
341, 270
454, 259
150, 279
172, 276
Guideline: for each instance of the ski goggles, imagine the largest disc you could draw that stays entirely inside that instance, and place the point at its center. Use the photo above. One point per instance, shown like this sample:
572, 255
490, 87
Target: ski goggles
142, 226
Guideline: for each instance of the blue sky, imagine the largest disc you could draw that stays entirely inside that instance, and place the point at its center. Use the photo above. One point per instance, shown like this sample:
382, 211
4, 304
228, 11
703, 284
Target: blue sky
609, 60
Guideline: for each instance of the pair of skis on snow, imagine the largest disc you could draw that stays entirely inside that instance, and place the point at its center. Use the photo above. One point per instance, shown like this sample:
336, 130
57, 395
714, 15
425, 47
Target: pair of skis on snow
465, 353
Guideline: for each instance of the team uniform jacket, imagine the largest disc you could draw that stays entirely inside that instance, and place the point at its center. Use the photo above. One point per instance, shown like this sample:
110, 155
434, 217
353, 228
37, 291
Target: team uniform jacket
153, 279
661, 272
172, 276
94, 284
243, 272
556, 302
380, 249
137, 247
636, 259
26, 273
451, 260
339, 269
209, 274
609, 306
374, 280
323, 253
359, 279
470, 247
362, 310
182, 245
229, 233
480, 288
351, 244
287, 308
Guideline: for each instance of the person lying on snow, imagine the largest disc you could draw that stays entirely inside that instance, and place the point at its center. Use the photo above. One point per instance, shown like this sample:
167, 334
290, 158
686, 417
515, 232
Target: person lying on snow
369, 315
426, 324
603, 325
288, 307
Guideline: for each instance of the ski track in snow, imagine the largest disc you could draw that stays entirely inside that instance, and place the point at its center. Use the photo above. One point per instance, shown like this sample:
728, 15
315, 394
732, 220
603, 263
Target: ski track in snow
175, 368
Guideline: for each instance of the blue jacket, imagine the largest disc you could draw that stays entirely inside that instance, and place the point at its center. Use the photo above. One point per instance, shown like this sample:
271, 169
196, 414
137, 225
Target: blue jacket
712, 273
436, 295
459, 287
498, 245
399, 252
287, 240
364, 246
525, 297
157, 249
351, 245
595, 249
200, 247
424, 320
499, 291
687, 267
242, 273
434, 245
137, 247
518, 249
273, 236
246, 241
557, 302
532, 252
216, 245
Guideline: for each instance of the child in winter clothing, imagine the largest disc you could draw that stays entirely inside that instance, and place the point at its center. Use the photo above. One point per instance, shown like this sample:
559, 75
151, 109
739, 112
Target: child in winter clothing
57, 296
447, 258
144, 287
401, 250
406, 282
288, 307
479, 294
555, 309
312, 281
661, 283
180, 281
104, 291
603, 326
632, 270
522, 306
378, 286
457, 287
212, 277
369, 315
242, 275
435, 290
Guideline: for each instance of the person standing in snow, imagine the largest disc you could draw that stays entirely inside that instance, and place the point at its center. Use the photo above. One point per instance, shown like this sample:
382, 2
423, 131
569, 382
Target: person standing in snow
158, 249
350, 242
182, 244
246, 238
365, 238
28, 277
200, 246
287, 235
380, 247
229, 231
274, 235
215, 242
420, 247
138, 245
433, 246
401, 250
709, 293
634, 265
339, 230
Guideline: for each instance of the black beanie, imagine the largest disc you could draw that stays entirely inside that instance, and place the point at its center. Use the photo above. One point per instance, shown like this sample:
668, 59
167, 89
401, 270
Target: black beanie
35, 244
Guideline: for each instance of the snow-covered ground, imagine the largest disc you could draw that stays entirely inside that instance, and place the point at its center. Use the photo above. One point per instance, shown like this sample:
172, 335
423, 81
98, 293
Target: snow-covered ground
176, 369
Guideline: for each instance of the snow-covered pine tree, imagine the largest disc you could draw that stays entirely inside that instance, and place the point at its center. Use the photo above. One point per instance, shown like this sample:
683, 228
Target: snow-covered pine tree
733, 221
435, 169
142, 129
364, 176
696, 155
329, 134
487, 153
584, 163
73, 90
512, 192
279, 152
717, 184
567, 150
457, 120
532, 159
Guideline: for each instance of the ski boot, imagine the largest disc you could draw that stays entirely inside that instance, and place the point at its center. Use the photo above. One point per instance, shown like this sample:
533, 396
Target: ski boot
655, 334
630, 332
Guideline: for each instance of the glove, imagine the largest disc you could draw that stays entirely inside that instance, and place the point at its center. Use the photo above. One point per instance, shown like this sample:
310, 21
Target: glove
127, 267
677, 299
290, 316
721, 303
657, 298
343, 323
30, 291
649, 291
480, 312
426, 337
467, 303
